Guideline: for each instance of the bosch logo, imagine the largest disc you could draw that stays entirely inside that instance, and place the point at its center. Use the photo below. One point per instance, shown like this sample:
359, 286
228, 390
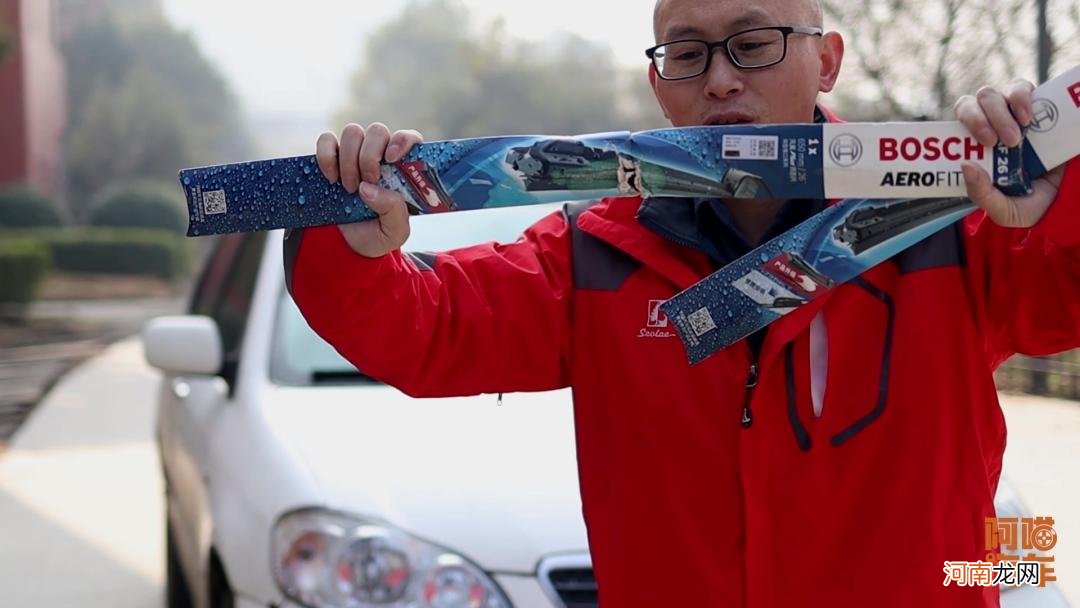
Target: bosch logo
1044, 115
846, 150
931, 149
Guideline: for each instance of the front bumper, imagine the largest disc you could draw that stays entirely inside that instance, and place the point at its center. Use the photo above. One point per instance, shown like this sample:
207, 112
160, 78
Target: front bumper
523, 591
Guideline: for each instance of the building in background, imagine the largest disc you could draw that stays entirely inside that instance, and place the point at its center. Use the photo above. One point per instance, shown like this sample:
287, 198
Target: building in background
32, 98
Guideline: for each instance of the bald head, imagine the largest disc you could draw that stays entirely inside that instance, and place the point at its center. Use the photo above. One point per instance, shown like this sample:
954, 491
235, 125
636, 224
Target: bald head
804, 12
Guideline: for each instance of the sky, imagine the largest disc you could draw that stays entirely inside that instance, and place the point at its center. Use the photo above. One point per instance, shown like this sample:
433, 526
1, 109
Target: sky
290, 62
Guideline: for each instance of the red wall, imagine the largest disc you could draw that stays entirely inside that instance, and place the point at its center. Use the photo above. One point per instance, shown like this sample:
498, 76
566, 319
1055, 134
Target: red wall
12, 125
32, 99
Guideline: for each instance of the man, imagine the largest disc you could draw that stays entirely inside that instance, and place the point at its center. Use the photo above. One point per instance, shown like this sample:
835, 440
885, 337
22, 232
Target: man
836, 459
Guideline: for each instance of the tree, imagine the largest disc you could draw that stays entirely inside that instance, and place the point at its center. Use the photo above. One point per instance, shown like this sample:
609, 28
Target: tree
143, 102
129, 131
432, 69
7, 39
914, 58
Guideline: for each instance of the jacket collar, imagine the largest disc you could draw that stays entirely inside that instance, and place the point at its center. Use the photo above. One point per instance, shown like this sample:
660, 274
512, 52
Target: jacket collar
662, 233
673, 254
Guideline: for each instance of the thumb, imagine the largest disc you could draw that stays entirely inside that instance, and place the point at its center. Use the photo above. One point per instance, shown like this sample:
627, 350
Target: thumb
388, 232
984, 195
393, 214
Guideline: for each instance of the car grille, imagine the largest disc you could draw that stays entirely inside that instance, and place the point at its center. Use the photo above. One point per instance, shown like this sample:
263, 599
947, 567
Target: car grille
576, 587
568, 580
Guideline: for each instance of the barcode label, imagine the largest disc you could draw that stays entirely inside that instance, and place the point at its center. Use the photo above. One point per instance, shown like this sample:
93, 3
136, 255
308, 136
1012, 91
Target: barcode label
751, 147
214, 202
765, 291
701, 322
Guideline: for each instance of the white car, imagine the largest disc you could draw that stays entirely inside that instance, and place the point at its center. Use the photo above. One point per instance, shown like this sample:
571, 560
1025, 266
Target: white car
294, 480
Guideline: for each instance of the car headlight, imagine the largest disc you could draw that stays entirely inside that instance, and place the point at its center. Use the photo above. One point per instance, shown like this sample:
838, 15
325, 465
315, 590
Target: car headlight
322, 558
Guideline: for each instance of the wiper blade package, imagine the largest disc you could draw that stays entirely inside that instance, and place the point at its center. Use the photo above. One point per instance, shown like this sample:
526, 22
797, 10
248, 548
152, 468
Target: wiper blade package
854, 160
853, 236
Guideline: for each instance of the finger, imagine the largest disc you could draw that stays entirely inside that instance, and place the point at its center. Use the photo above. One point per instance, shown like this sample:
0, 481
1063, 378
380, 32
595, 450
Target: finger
352, 137
326, 151
971, 115
1018, 93
996, 108
392, 211
371, 153
982, 192
400, 144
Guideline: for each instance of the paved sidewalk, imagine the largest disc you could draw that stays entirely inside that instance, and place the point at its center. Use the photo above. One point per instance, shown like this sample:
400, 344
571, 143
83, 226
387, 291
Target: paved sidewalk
81, 507
1042, 463
57, 336
80, 493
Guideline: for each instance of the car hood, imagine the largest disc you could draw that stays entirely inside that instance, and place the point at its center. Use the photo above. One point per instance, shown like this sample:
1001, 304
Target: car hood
497, 484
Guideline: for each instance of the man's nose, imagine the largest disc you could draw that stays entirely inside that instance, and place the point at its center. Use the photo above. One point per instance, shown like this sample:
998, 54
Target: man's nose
723, 79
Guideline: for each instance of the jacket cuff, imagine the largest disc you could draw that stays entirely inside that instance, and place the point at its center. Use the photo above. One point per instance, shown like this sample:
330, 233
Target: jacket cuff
1061, 223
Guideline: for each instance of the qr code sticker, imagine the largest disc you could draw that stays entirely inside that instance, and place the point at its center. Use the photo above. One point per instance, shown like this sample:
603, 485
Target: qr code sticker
766, 148
751, 147
701, 322
214, 202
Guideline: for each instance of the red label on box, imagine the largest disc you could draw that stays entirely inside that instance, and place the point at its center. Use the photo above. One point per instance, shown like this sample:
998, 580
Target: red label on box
425, 186
797, 275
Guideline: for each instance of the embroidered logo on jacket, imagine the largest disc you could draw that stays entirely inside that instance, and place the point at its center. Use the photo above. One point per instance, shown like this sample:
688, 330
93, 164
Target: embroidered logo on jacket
656, 322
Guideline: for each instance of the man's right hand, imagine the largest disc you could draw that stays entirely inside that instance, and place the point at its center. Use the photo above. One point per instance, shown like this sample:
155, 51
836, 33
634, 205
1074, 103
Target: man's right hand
355, 161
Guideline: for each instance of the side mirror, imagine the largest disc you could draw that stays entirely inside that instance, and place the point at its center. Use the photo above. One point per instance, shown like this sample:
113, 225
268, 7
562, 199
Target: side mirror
183, 345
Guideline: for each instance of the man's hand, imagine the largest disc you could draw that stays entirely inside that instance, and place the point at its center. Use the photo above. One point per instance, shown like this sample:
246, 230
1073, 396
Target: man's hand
355, 161
994, 116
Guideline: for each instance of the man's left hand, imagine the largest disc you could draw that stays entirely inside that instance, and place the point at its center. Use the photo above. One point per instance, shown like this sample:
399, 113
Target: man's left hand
994, 116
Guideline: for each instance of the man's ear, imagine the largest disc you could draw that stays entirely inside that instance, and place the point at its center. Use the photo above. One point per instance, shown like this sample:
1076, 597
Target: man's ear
653, 80
832, 56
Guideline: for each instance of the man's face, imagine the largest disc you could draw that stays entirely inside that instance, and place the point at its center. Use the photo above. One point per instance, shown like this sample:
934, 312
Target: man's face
783, 93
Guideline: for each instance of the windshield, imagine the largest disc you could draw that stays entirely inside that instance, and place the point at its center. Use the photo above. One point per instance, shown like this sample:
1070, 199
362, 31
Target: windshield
302, 357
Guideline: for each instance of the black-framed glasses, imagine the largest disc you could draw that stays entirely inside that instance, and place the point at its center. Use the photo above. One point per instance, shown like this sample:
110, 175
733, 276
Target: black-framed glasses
748, 50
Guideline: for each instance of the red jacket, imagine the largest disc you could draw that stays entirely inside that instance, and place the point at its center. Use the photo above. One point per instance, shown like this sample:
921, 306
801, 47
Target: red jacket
859, 506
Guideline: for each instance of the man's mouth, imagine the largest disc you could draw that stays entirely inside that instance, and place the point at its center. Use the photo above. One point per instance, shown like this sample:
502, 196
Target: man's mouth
729, 118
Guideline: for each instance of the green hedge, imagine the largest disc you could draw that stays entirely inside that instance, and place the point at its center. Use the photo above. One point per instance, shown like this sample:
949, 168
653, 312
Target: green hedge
22, 207
142, 205
131, 251
23, 265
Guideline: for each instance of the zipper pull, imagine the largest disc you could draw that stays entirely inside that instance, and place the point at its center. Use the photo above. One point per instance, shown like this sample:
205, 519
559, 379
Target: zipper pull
751, 382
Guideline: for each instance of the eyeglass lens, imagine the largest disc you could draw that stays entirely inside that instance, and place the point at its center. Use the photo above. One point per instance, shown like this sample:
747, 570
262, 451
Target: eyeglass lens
752, 49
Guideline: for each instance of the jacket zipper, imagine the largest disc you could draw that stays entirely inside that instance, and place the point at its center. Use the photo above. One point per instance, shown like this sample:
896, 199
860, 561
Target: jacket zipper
751, 383
752, 377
